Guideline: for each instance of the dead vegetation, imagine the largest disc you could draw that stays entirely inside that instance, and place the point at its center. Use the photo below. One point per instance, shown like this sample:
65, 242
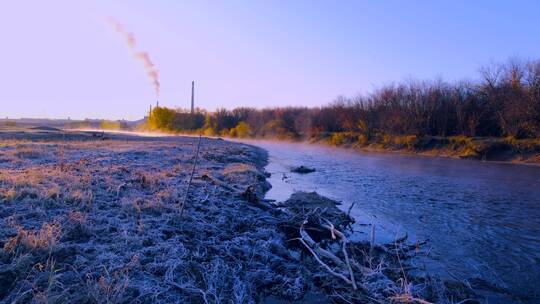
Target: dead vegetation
101, 223
353, 271
25, 241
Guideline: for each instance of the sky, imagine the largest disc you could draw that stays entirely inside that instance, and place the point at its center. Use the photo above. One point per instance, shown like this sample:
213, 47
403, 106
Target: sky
62, 58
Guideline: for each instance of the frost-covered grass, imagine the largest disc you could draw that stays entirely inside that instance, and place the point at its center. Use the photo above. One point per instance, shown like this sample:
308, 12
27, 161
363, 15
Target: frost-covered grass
87, 220
105, 215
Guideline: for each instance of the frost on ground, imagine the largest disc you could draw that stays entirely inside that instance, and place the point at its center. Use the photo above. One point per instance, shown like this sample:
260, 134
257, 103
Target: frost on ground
87, 220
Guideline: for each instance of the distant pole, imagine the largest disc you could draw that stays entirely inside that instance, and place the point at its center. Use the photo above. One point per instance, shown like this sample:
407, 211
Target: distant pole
192, 97
150, 113
157, 103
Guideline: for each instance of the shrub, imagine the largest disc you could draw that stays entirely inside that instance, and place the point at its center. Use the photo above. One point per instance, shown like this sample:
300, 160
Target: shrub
242, 130
523, 145
409, 142
363, 139
343, 138
111, 125
209, 132
387, 140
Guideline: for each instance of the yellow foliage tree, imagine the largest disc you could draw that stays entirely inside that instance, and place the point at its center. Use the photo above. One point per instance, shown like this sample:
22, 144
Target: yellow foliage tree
242, 130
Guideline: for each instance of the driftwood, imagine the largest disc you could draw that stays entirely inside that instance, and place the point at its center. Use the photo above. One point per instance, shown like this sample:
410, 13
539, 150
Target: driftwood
344, 242
216, 181
350, 208
249, 194
320, 251
316, 250
354, 271
313, 207
328, 268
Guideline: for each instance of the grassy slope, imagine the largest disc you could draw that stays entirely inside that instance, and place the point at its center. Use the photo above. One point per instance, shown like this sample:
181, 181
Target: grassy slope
481, 148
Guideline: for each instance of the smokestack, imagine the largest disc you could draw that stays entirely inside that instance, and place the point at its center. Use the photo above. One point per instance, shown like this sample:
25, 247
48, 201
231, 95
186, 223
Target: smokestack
157, 103
192, 97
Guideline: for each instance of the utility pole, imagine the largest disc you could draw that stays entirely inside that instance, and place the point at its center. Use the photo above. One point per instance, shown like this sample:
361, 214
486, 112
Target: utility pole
192, 97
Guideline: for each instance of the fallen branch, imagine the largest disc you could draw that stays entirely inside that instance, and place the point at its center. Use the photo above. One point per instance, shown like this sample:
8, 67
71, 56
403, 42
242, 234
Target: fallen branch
322, 252
249, 194
350, 208
330, 270
401, 239
218, 182
305, 239
344, 241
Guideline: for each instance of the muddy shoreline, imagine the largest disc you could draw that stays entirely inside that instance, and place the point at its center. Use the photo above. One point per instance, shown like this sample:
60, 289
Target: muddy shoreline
92, 220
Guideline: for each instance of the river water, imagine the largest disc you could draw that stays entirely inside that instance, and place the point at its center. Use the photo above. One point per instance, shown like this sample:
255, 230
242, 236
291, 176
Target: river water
482, 219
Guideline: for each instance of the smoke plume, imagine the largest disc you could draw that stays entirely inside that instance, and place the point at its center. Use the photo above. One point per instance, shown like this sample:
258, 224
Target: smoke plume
151, 71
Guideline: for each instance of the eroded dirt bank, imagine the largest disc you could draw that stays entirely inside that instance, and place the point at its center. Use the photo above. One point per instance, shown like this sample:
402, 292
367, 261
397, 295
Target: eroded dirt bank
87, 219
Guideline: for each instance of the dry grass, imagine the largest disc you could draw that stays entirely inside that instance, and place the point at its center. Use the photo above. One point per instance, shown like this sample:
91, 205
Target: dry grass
43, 239
99, 223
342, 138
27, 152
239, 168
47, 185
82, 210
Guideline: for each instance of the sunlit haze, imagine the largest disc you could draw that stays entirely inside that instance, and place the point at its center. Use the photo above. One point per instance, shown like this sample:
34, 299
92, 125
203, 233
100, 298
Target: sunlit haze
62, 59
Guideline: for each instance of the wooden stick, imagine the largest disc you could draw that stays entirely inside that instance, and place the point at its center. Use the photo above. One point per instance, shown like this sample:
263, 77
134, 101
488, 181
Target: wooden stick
344, 241
191, 177
305, 239
260, 203
322, 252
221, 183
330, 270
350, 208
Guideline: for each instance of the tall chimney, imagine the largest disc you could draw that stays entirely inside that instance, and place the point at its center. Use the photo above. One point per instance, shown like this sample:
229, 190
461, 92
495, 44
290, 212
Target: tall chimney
192, 97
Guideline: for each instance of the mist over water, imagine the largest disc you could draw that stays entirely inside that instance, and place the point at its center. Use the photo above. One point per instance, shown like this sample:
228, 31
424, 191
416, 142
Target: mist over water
482, 219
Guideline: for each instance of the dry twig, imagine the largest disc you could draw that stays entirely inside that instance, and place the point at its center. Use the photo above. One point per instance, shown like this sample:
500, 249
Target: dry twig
305, 239
344, 241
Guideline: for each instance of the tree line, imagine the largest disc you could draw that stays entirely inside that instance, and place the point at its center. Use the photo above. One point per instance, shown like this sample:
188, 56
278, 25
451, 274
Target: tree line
505, 101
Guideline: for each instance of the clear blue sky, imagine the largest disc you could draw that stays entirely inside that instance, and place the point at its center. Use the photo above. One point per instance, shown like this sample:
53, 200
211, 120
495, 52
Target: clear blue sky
61, 58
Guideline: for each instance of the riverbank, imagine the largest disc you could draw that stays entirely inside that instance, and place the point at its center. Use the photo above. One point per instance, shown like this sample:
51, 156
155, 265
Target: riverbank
496, 149
508, 149
96, 219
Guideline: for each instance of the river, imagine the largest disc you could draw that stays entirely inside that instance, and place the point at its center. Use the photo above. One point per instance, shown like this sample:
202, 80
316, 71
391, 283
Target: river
482, 219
